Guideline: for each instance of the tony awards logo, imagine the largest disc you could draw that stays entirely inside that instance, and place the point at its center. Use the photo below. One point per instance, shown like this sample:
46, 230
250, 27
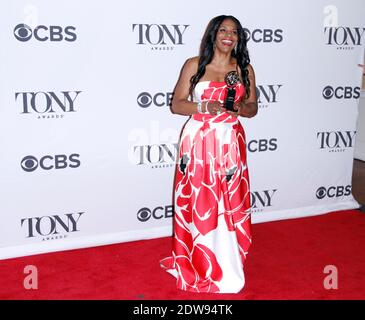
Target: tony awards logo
231, 79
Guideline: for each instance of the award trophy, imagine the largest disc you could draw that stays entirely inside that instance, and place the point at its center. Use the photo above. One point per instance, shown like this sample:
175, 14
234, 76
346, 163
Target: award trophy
231, 79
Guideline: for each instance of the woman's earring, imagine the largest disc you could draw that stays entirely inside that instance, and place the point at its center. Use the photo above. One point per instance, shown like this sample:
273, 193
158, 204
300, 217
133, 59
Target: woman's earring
235, 49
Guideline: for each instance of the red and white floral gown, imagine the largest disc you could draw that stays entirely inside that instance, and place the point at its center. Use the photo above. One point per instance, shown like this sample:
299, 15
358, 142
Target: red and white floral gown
212, 219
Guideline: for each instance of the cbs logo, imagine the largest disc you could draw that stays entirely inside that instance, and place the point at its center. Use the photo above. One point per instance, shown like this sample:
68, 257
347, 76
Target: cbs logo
60, 161
262, 145
333, 191
23, 33
264, 35
158, 213
341, 92
160, 99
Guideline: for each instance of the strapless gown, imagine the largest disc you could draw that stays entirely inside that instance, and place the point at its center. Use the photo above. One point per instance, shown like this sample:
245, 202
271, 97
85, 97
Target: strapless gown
212, 218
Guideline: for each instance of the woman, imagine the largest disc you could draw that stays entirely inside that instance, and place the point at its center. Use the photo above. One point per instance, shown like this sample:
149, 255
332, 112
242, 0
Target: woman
212, 198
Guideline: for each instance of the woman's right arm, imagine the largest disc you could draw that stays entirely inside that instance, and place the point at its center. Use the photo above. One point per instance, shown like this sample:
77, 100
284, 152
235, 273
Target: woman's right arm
180, 103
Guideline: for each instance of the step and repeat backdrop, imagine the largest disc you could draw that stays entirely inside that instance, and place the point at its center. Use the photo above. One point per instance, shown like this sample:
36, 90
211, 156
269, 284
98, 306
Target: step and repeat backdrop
88, 141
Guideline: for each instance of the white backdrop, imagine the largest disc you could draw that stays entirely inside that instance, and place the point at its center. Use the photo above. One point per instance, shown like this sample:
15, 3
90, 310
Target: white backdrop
88, 142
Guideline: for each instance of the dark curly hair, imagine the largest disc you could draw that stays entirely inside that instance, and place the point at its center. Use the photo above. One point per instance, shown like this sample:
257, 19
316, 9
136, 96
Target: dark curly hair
207, 51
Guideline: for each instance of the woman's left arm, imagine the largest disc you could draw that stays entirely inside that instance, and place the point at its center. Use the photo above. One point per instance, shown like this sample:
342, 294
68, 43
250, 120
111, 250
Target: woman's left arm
248, 108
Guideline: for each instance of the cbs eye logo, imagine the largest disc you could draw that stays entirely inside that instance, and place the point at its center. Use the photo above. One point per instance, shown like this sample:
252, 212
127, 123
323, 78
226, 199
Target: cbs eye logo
29, 163
321, 192
144, 214
23, 32
328, 92
144, 99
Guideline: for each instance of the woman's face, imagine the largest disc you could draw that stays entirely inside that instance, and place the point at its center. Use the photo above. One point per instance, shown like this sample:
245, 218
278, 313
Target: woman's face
227, 36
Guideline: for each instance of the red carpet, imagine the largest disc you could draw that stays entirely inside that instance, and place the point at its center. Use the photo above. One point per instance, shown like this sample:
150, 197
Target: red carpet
286, 261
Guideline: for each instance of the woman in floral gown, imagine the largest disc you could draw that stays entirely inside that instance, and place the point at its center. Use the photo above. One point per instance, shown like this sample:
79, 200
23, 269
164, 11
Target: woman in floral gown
212, 192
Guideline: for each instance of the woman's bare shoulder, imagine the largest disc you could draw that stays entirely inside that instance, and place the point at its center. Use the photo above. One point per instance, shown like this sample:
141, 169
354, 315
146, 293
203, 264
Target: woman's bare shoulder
250, 68
192, 62
191, 65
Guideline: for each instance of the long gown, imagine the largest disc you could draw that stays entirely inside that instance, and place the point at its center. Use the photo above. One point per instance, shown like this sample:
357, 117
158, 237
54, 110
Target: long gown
212, 218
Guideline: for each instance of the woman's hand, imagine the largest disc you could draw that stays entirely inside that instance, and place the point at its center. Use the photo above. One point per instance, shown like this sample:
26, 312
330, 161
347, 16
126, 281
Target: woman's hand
238, 106
214, 107
248, 109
